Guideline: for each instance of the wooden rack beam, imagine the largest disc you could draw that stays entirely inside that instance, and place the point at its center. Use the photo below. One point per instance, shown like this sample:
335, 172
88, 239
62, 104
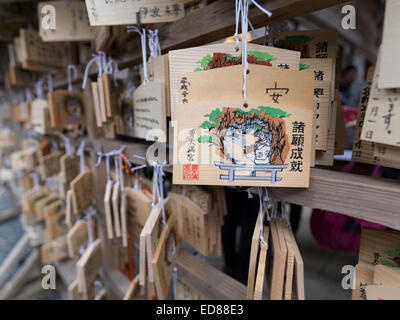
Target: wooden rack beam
369, 198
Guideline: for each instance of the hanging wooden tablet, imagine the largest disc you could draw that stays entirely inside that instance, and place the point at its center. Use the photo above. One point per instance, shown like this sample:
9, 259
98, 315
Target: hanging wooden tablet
287, 295
124, 117
279, 256
259, 285
221, 142
102, 100
77, 237
29, 204
55, 250
69, 167
298, 267
388, 77
382, 114
111, 93
138, 206
149, 113
26, 181
66, 108
117, 13
96, 102
50, 165
363, 277
72, 22
322, 69
222, 55
124, 224
108, 209
115, 200
41, 204
165, 256
88, 266
40, 119
54, 216
320, 44
370, 152
69, 216
73, 291
82, 191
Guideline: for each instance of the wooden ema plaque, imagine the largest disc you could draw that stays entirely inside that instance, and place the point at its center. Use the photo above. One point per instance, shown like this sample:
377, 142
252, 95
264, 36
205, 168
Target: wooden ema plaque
222, 55
54, 251
70, 168
165, 256
82, 191
41, 204
66, 108
124, 12
221, 142
88, 266
77, 237
138, 206
262, 260
50, 165
54, 216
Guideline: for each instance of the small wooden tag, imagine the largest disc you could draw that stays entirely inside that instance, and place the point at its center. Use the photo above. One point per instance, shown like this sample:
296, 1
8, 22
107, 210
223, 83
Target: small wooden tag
164, 257
82, 191
73, 291
69, 217
41, 204
96, 102
77, 237
50, 165
66, 108
255, 247
88, 266
124, 226
116, 207
103, 111
262, 261
69, 167
53, 217
54, 251
108, 209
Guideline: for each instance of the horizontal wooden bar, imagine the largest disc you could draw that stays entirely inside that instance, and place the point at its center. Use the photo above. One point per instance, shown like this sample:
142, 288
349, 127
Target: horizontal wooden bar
368, 198
210, 282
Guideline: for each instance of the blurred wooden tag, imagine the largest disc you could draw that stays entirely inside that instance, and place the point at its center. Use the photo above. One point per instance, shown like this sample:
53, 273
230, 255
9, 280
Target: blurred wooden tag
272, 137
117, 13
88, 266
363, 277
387, 276
50, 165
77, 237
390, 69
69, 217
73, 291
72, 22
40, 118
82, 191
255, 248
96, 102
54, 251
110, 94
382, 114
26, 181
262, 260
116, 207
41, 204
278, 263
108, 209
102, 99
322, 69
320, 44
66, 108
54, 215
69, 168
124, 118
138, 206
124, 224
149, 113
223, 55
164, 257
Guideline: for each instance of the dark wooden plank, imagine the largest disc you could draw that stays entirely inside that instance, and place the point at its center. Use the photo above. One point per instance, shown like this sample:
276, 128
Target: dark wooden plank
207, 280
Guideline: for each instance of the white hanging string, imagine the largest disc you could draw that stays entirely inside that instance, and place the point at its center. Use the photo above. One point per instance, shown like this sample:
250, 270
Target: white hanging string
71, 68
81, 154
143, 43
39, 89
49, 82
96, 58
67, 145
154, 44
242, 7
261, 215
35, 178
174, 280
28, 95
